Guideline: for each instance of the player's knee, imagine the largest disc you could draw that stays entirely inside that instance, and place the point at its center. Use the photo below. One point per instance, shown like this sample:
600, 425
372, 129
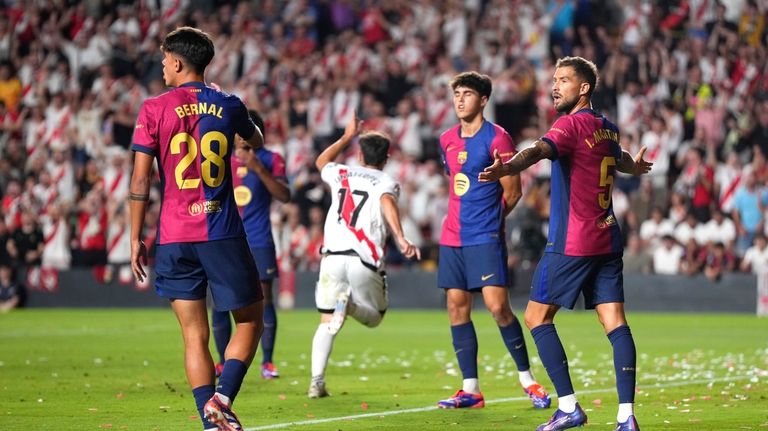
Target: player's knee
501, 313
532, 321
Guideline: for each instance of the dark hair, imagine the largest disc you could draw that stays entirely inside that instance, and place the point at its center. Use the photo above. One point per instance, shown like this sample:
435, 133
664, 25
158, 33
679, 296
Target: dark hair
194, 46
256, 118
474, 80
584, 69
375, 148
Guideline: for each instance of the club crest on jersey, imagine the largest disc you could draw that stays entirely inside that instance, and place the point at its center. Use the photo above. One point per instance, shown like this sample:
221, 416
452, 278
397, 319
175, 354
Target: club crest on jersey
242, 171
462, 157
243, 195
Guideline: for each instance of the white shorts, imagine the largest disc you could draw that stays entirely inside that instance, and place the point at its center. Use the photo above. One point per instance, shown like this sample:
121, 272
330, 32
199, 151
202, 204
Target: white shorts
338, 272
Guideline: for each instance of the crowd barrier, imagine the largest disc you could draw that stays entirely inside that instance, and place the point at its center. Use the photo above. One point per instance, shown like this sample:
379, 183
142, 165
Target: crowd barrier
416, 289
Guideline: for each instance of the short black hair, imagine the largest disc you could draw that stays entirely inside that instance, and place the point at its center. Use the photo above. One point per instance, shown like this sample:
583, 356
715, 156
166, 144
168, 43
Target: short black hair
375, 148
474, 80
256, 118
193, 45
584, 69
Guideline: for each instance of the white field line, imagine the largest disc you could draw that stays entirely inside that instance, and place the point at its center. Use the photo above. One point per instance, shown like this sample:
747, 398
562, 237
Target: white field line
495, 401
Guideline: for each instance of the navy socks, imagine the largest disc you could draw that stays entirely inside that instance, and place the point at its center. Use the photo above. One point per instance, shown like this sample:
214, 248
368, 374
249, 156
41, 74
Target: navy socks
553, 357
465, 346
624, 361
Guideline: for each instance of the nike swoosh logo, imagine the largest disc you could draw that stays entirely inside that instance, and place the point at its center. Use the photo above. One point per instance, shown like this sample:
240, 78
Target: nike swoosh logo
486, 277
518, 346
271, 270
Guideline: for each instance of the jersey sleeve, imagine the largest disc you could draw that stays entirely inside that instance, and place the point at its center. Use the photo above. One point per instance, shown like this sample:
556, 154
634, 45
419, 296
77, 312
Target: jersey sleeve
443, 161
145, 131
504, 145
278, 166
389, 186
244, 126
329, 172
561, 136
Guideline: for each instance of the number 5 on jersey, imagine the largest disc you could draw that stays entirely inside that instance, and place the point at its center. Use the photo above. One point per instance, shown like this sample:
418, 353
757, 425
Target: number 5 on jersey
606, 180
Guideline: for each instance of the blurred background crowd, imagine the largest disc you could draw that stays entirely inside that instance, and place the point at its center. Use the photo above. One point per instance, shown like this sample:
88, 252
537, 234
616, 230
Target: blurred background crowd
686, 78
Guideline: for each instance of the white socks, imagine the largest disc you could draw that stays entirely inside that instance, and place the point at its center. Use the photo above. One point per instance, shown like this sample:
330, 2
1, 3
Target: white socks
567, 403
322, 344
526, 378
472, 386
625, 411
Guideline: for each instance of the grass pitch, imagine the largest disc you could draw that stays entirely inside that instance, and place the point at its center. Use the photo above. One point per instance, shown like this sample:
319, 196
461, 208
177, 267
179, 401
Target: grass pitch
122, 369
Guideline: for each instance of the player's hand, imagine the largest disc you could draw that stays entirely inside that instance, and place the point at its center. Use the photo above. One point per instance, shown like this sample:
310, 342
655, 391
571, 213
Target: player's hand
215, 86
641, 166
138, 255
354, 126
493, 172
244, 154
408, 249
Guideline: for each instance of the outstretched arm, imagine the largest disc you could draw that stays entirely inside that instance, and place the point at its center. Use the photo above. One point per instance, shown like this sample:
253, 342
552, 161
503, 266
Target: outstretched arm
329, 154
392, 216
520, 162
634, 166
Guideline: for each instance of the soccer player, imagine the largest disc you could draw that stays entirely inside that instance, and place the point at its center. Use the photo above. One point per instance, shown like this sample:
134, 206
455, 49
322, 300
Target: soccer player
352, 279
201, 242
473, 253
584, 249
258, 177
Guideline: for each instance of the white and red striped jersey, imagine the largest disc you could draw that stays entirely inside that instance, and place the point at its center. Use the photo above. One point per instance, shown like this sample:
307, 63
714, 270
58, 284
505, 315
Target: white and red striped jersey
355, 221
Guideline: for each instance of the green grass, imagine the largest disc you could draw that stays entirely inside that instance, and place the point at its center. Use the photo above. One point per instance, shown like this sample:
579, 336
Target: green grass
122, 369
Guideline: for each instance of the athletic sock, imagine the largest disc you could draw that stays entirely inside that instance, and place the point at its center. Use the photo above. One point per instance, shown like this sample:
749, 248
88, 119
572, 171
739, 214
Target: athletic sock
202, 394
471, 385
625, 411
624, 361
231, 378
512, 335
465, 346
553, 358
526, 378
567, 403
322, 345
222, 331
270, 331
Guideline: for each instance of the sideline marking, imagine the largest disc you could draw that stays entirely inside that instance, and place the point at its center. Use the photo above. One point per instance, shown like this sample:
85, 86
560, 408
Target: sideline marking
496, 401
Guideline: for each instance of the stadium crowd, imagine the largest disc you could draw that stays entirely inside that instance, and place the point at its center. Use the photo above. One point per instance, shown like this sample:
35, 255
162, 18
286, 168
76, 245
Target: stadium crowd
687, 78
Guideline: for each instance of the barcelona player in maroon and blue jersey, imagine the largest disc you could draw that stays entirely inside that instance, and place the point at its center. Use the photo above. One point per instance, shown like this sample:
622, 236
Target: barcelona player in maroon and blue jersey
191, 130
473, 253
584, 250
259, 175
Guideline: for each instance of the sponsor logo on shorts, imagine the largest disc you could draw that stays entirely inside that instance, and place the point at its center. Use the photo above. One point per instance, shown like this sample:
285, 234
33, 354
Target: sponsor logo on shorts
486, 277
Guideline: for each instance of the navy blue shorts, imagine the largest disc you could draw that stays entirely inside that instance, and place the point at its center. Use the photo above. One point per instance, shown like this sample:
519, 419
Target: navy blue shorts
185, 269
559, 279
472, 267
266, 261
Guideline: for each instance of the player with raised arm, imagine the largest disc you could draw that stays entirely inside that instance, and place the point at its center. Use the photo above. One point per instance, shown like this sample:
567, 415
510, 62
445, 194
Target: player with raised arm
191, 131
584, 250
473, 251
259, 176
352, 279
